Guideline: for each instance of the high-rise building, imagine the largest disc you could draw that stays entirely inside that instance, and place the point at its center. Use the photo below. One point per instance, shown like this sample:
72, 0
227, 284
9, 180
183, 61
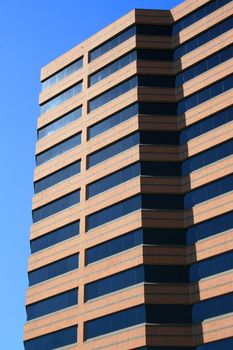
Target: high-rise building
132, 234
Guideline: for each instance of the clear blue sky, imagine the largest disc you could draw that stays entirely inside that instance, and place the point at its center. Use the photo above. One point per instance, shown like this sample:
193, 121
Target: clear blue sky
33, 33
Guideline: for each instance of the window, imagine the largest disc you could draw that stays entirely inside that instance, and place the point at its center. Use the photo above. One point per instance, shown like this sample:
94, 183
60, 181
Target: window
71, 68
113, 120
54, 237
52, 304
139, 274
205, 94
213, 307
112, 68
197, 15
56, 206
203, 38
211, 266
60, 123
56, 177
151, 236
206, 125
53, 340
54, 269
55, 101
113, 179
110, 44
112, 94
204, 66
207, 157
154, 108
209, 228
217, 345
59, 149
146, 201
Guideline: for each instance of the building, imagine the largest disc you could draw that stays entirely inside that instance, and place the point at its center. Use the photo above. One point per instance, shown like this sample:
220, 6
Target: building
131, 238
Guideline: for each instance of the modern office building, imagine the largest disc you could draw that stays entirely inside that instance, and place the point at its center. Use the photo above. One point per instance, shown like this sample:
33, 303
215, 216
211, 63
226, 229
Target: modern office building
132, 234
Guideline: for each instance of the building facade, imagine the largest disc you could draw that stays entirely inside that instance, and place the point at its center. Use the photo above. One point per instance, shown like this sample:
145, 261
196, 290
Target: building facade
132, 234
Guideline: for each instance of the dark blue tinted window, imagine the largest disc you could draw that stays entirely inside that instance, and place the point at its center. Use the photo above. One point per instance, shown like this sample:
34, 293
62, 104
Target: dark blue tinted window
54, 269
206, 125
197, 15
154, 55
212, 307
211, 266
147, 29
59, 149
59, 123
114, 246
207, 157
112, 93
53, 340
113, 120
161, 169
56, 206
47, 106
113, 322
52, 304
114, 179
112, 68
156, 81
110, 44
154, 108
209, 191
204, 66
124, 279
146, 201
71, 68
54, 237
203, 38
144, 137
146, 236
57, 177
205, 94
112, 150
217, 345
137, 315
210, 228
114, 212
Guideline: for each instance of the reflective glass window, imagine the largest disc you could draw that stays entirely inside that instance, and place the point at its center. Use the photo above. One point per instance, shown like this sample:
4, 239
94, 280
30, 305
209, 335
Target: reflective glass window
205, 94
206, 125
148, 29
110, 44
59, 123
113, 120
213, 307
209, 228
54, 269
124, 279
56, 206
55, 101
112, 94
155, 108
154, 55
204, 66
217, 345
59, 149
209, 191
207, 157
203, 38
53, 340
151, 236
198, 14
113, 179
52, 304
54, 237
112, 150
71, 68
112, 68
57, 177
211, 266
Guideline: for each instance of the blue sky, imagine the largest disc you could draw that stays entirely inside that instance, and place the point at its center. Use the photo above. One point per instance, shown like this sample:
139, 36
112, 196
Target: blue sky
33, 33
